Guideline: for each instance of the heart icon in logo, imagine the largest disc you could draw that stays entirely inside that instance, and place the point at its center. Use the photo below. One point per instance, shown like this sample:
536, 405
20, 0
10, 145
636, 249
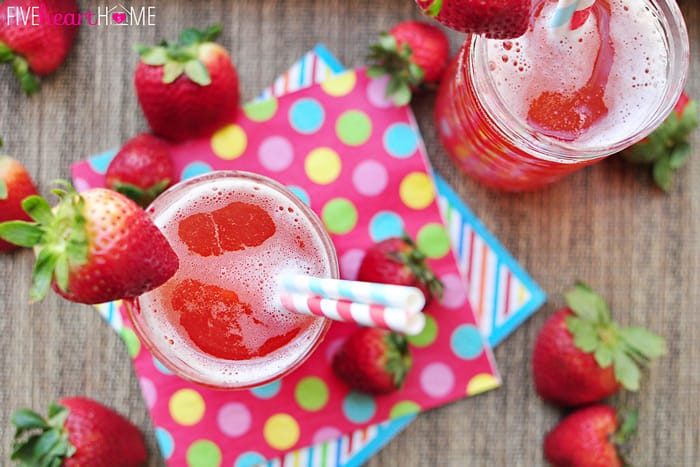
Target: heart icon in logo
119, 18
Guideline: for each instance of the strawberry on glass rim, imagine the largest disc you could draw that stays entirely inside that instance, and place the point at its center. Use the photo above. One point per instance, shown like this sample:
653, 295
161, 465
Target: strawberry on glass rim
188, 89
495, 19
92, 247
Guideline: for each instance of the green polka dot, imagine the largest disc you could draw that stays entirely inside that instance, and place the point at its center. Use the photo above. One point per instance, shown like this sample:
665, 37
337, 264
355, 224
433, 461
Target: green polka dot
339, 215
353, 128
427, 336
311, 393
132, 342
203, 453
261, 111
433, 241
404, 408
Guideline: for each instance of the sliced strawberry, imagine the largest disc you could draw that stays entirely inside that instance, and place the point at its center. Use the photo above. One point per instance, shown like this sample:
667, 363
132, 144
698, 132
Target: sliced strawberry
232, 228
497, 19
142, 169
93, 247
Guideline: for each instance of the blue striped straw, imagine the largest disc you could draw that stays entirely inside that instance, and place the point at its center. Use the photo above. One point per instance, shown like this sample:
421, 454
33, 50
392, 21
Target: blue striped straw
565, 11
395, 296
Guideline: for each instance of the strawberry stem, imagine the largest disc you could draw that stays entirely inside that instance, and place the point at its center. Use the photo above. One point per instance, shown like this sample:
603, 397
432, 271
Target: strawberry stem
41, 441
20, 66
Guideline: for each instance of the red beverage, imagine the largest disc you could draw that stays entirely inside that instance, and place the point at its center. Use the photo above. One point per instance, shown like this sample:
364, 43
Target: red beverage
218, 320
520, 114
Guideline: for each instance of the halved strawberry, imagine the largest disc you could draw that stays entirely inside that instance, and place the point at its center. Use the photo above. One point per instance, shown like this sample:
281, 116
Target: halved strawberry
92, 247
667, 148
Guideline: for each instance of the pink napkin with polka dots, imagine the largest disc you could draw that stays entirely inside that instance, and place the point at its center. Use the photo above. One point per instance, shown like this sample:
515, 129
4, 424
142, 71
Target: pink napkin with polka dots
359, 162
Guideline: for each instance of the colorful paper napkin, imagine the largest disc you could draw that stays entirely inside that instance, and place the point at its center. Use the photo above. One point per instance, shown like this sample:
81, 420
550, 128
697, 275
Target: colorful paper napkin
359, 163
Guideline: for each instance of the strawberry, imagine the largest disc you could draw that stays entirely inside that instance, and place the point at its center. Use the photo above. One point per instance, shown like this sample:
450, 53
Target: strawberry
77, 432
667, 148
414, 54
589, 437
373, 360
142, 169
15, 185
36, 48
187, 89
581, 356
398, 261
92, 247
496, 19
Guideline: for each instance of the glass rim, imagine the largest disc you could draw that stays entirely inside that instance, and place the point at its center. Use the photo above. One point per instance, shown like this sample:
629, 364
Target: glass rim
547, 148
180, 366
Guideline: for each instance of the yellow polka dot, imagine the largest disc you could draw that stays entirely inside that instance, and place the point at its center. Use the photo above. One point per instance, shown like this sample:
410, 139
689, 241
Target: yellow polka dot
281, 431
186, 407
416, 190
481, 383
340, 85
322, 165
229, 142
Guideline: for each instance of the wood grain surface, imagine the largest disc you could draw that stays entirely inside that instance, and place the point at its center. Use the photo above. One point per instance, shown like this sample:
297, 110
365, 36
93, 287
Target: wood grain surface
607, 225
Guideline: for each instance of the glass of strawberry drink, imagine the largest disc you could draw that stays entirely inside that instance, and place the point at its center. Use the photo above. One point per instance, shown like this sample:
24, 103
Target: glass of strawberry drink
519, 114
217, 321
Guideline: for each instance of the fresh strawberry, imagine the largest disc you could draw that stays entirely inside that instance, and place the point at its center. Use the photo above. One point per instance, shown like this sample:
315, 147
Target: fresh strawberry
667, 148
142, 169
15, 185
36, 48
414, 54
589, 437
581, 356
496, 19
398, 261
78, 432
93, 247
373, 360
187, 89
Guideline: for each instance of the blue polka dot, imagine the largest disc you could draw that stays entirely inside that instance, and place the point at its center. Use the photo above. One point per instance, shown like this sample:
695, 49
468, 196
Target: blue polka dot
268, 390
306, 116
165, 442
358, 407
249, 459
466, 342
195, 168
160, 367
385, 224
400, 140
301, 194
100, 162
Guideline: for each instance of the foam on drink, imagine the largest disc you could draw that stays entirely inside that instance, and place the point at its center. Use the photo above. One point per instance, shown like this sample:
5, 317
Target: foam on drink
251, 273
563, 61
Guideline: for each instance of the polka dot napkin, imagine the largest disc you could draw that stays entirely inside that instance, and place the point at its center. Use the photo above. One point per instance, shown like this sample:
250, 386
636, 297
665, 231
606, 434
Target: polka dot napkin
358, 161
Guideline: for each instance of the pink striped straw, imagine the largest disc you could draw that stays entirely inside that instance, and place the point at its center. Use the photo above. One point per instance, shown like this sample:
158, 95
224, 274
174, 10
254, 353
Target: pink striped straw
365, 314
571, 14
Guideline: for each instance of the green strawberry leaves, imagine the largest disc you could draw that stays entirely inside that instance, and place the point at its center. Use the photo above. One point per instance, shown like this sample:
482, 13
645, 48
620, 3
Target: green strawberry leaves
182, 57
433, 9
667, 148
59, 236
415, 260
41, 442
20, 67
627, 349
385, 57
398, 357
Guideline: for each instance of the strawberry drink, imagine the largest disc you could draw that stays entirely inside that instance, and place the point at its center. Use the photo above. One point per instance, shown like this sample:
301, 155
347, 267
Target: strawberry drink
518, 114
218, 320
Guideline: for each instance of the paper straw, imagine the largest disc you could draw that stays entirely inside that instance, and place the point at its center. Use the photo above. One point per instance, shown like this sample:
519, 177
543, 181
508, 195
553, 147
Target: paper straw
410, 299
394, 319
571, 14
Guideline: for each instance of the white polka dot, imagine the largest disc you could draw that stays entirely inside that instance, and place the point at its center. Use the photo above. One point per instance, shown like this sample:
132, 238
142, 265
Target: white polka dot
276, 153
350, 264
376, 92
80, 184
332, 348
370, 178
234, 419
455, 293
437, 380
149, 391
326, 433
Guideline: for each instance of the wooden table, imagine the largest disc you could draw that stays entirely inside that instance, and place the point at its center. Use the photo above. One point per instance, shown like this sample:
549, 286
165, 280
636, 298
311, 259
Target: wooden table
607, 225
